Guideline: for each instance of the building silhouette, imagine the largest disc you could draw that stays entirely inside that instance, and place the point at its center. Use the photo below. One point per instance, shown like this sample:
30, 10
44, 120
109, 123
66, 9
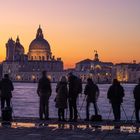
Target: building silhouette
100, 72
27, 67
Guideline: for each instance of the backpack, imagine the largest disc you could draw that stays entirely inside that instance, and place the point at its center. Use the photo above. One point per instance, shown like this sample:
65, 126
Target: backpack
96, 118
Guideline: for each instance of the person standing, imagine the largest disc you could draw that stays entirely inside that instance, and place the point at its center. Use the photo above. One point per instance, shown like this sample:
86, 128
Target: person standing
74, 90
115, 95
6, 87
136, 93
61, 98
44, 92
92, 93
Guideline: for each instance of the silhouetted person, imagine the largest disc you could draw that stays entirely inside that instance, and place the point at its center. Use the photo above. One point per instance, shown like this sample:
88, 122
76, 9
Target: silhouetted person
44, 91
92, 93
61, 98
6, 87
74, 90
136, 93
115, 95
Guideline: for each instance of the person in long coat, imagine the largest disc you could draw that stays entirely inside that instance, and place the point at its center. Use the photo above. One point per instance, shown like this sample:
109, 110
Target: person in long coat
61, 98
115, 95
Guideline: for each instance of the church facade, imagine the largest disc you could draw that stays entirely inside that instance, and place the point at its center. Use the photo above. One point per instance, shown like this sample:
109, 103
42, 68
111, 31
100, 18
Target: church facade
128, 72
100, 72
28, 67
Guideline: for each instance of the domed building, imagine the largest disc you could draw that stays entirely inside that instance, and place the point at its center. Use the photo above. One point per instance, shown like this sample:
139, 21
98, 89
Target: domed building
28, 67
39, 49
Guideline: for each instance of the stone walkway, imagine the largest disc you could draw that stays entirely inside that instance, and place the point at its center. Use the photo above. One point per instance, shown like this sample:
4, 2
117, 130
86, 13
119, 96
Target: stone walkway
33, 129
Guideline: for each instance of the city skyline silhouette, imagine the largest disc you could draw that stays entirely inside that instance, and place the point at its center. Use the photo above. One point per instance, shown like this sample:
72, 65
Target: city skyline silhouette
75, 29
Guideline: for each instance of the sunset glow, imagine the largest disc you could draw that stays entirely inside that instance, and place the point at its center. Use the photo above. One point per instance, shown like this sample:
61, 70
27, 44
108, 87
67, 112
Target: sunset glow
75, 28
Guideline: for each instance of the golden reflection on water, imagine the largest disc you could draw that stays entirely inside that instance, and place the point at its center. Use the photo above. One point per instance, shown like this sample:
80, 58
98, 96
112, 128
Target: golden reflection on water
20, 124
70, 126
130, 129
107, 127
121, 128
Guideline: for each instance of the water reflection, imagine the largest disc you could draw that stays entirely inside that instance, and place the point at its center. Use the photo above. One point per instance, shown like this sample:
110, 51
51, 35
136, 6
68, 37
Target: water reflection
107, 127
130, 129
18, 125
72, 126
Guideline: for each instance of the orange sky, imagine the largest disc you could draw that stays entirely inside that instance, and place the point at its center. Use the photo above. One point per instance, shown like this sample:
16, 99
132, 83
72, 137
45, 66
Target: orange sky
75, 28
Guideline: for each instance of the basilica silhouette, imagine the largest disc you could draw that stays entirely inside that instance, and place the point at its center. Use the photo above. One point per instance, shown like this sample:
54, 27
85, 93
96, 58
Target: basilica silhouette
27, 67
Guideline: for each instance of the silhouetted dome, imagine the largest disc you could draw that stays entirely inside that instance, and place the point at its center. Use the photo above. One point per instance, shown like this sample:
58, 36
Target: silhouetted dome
39, 43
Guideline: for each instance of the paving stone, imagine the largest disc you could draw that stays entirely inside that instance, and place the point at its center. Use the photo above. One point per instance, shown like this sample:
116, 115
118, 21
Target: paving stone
133, 137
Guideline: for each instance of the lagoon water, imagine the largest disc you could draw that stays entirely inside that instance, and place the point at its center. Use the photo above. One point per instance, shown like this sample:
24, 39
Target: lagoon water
25, 101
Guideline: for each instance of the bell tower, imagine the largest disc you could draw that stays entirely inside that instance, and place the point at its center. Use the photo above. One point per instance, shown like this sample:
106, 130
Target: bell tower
10, 48
19, 50
96, 57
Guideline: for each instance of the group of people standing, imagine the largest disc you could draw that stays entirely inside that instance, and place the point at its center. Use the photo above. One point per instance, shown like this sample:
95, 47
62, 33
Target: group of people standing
67, 91
66, 94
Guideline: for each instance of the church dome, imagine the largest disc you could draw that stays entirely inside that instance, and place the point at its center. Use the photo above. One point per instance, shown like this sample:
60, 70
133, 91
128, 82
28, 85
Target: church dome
39, 43
39, 48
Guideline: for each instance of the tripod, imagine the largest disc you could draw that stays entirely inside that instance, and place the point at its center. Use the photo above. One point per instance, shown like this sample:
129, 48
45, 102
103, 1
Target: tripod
109, 113
83, 102
133, 115
122, 110
12, 110
71, 109
124, 113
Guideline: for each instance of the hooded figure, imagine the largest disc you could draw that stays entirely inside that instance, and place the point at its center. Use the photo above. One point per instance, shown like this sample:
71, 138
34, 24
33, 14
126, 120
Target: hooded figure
115, 95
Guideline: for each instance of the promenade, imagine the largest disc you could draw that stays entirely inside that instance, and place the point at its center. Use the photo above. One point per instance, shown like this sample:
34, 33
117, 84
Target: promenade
34, 129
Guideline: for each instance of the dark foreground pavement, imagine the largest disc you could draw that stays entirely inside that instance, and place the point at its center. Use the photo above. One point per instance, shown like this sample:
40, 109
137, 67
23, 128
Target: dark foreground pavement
33, 129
